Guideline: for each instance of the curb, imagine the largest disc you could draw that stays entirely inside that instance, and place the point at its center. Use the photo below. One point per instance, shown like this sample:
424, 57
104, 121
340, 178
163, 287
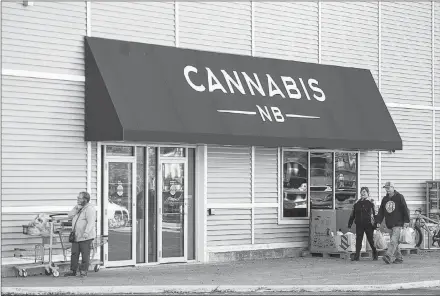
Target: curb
118, 290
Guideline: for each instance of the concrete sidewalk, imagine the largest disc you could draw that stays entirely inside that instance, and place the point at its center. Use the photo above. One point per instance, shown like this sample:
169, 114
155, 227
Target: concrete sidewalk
293, 274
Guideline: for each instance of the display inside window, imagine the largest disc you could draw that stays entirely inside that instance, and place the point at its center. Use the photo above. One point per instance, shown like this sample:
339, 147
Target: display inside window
321, 180
295, 180
345, 179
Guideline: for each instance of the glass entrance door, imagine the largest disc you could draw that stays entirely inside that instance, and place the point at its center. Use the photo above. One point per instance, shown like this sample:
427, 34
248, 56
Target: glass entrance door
173, 209
120, 212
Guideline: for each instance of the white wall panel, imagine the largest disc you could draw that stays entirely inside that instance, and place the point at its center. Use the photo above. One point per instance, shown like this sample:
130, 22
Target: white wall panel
146, 22
350, 34
45, 37
268, 231
412, 166
215, 26
229, 174
287, 30
266, 175
437, 52
406, 52
44, 156
229, 227
437, 144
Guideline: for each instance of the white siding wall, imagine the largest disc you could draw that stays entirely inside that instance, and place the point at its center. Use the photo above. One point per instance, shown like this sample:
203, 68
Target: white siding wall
437, 83
46, 37
146, 22
287, 30
229, 175
369, 173
268, 231
412, 166
437, 53
229, 182
266, 175
229, 227
44, 157
406, 52
215, 26
350, 34
437, 142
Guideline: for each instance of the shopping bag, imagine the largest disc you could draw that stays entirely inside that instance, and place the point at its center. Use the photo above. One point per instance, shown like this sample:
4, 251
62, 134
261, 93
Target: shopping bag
379, 240
407, 236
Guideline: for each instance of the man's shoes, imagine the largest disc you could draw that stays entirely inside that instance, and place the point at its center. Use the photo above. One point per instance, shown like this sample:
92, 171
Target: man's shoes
355, 258
70, 273
398, 261
83, 274
387, 259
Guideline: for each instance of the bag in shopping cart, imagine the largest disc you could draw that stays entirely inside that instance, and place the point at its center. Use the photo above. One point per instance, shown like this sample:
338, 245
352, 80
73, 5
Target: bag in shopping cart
39, 226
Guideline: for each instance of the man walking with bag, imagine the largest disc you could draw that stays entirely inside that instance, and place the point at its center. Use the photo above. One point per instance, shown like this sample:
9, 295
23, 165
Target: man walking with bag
84, 231
395, 211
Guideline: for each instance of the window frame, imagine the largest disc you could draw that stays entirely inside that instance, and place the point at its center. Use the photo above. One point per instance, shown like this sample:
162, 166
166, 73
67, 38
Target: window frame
281, 218
280, 157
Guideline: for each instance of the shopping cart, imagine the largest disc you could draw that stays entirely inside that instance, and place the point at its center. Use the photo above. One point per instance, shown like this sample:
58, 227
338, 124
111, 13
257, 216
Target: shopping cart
38, 253
60, 227
64, 228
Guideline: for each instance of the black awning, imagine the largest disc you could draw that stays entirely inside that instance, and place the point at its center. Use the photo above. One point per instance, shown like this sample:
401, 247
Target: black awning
144, 92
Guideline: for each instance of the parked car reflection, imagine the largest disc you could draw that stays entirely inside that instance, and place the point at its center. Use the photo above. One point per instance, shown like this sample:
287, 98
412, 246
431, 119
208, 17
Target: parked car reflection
118, 216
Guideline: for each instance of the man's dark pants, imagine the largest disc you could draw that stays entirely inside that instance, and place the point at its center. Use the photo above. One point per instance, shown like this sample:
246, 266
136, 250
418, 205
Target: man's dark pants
83, 248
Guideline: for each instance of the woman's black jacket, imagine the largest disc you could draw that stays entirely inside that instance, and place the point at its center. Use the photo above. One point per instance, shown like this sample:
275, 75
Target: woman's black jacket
363, 214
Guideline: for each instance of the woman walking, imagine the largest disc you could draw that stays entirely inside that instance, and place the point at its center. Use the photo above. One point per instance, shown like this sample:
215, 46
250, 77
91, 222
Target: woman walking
364, 216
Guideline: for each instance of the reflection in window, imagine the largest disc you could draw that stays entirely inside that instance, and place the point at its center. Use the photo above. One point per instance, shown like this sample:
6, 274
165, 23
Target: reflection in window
140, 205
172, 152
295, 178
346, 179
152, 204
321, 180
119, 150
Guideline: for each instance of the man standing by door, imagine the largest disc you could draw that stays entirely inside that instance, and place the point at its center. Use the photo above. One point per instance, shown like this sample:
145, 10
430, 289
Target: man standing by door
395, 211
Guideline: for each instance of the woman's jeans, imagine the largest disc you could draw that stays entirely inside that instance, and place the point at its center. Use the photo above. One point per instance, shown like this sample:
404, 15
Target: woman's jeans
83, 248
393, 251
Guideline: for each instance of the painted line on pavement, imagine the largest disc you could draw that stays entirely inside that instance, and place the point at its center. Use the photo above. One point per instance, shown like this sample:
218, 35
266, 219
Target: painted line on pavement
153, 289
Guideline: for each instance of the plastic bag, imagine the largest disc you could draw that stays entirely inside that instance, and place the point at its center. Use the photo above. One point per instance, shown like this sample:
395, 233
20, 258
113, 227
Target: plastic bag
40, 225
34, 231
407, 236
379, 240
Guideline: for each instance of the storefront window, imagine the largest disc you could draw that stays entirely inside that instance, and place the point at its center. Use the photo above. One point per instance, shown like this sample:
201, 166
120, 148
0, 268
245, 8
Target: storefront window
120, 150
346, 179
140, 205
295, 180
172, 152
152, 204
321, 180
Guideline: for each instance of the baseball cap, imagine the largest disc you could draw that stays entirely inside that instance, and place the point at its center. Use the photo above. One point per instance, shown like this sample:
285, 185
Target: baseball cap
388, 184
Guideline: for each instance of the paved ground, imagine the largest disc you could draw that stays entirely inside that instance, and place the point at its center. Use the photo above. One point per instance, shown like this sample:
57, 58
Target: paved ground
293, 271
433, 291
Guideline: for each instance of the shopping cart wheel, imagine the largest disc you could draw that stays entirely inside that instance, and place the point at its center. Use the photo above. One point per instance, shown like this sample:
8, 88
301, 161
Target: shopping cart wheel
25, 273
20, 272
56, 273
97, 267
47, 271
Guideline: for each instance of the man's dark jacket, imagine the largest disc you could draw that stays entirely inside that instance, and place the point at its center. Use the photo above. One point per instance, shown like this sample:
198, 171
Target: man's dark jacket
394, 210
